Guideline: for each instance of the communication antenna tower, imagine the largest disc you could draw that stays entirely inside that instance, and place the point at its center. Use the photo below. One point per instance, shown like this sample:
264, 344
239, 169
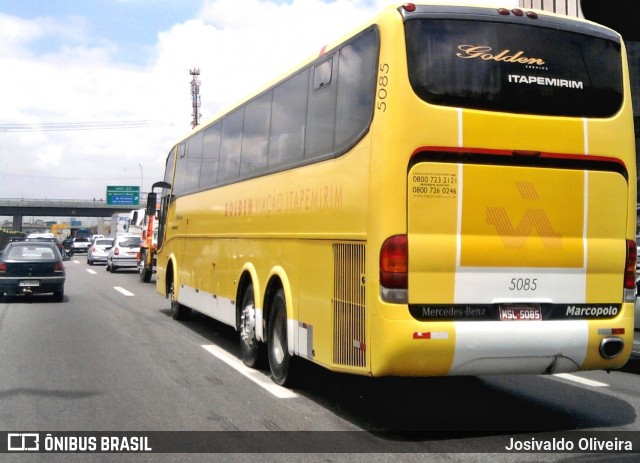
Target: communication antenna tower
195, 96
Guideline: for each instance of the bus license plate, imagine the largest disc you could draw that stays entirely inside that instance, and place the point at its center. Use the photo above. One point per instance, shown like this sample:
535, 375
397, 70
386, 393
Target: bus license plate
29, 283
527, 313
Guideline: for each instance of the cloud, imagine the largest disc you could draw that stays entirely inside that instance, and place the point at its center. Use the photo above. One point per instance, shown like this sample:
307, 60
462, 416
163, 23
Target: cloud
59, 70
239, 47
58, 74
71, 89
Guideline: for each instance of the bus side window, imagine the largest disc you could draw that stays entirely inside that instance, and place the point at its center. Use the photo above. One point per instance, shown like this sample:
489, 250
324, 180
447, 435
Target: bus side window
255, 135
321, 113
288, 120
181, 168
356, 89
322, 74
210, 156
231, 146
194, 161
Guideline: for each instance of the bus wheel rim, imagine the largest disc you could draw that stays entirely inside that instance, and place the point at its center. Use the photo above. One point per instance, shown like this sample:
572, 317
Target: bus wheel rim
248, 324
278, 348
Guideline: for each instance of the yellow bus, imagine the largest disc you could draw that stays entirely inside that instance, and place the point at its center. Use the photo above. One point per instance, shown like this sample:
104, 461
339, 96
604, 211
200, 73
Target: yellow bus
449, 190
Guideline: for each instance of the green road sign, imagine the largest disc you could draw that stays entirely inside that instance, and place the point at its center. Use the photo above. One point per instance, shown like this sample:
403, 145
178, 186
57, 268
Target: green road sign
123, 195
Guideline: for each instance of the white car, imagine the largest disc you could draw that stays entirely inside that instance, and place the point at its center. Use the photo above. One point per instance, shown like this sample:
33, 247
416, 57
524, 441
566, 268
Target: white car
79, 245
95, 237
41, 235
99, 250
124, 252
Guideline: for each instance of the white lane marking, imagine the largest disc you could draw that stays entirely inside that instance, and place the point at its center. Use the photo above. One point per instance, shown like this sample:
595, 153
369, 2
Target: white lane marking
256, 376
91, 271
578, 379
123, 291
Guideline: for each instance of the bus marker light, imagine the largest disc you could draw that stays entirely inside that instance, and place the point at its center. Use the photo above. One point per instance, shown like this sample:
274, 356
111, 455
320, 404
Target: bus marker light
409, 7
517, 11
359, 345
431, 335
526, 153
610, 331
532, 15
504, 11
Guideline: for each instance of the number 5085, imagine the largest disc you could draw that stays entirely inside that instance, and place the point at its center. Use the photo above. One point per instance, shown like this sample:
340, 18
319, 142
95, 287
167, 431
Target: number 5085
523, 284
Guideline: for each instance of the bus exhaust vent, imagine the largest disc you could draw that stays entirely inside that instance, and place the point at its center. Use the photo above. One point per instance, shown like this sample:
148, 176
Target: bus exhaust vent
349, 342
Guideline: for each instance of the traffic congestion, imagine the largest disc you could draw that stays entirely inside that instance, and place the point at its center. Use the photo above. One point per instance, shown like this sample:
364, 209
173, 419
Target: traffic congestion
20, 253
117, 361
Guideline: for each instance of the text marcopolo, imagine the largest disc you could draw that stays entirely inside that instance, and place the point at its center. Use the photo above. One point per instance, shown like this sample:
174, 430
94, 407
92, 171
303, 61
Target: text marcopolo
592, 311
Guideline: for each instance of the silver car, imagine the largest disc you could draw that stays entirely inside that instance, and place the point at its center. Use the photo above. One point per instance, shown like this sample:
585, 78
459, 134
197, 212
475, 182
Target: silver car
123, 253
99, 250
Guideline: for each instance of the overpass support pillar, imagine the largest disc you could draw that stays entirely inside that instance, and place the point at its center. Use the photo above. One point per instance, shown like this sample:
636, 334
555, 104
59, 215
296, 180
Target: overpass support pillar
17, 223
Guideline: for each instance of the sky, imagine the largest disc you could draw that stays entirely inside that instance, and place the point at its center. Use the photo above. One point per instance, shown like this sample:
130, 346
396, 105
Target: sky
95, 93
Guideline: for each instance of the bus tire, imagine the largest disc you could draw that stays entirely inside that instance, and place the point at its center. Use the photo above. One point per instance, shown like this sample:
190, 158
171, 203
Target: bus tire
253, 352
178, 311
280, 361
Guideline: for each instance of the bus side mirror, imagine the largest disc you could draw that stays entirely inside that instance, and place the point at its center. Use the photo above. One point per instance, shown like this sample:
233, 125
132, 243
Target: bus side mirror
151, 204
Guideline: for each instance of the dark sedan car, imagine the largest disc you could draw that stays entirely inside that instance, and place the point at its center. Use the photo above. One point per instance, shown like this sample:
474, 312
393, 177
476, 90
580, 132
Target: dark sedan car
56, 241
32, 267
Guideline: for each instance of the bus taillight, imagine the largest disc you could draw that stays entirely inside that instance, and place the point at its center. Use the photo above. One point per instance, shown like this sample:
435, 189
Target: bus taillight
394, 269
630, 270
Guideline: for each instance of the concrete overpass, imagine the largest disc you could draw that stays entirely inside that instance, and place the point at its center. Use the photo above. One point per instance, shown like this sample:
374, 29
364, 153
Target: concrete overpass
18, 208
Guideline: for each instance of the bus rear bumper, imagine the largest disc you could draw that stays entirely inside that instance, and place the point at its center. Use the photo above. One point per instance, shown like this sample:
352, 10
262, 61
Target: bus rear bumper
520, 347
488, 347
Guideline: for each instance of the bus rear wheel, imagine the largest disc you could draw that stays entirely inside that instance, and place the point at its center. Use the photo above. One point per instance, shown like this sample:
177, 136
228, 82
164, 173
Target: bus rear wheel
280, 361
252, 351
178, 311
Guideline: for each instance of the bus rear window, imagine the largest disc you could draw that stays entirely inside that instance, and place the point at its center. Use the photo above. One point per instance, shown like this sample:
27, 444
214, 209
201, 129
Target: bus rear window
517, 68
